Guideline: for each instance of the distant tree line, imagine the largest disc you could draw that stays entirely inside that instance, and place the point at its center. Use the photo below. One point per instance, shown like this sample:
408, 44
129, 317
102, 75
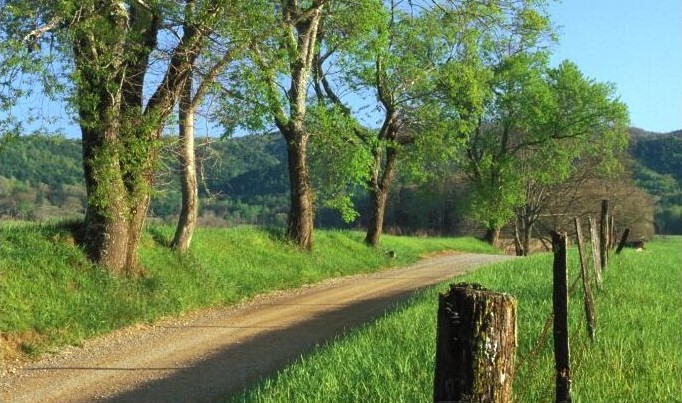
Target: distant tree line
242, 183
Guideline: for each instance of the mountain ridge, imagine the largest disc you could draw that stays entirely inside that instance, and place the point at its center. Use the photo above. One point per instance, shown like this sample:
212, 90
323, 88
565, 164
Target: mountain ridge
243, 179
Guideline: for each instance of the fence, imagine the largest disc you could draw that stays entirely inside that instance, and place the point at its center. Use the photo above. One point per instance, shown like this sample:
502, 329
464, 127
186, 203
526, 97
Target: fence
561, 292
558, 318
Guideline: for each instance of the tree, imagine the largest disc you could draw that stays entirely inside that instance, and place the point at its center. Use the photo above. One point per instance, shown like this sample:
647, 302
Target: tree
416, 50
287, 56
362, 68
540, 123
230, 39
108, 46
516, 91
589, 127
470, 93
189, 186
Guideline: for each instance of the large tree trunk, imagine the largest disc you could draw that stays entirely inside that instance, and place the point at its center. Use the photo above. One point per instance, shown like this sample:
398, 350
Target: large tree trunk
105, 236
118, 188
379, 184
518, 245
527, 236
301, 214
377, 209
190, 197
378, 194
105, 231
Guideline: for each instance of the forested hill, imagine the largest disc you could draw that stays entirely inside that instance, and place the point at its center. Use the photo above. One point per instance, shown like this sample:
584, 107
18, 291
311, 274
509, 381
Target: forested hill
36, 159
244, 180
658, 170
661, 153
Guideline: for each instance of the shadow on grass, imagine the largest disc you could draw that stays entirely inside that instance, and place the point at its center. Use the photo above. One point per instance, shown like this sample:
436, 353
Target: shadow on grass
159, 237
276, 234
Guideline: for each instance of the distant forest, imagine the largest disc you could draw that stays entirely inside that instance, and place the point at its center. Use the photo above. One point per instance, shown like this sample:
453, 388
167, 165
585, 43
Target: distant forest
243, 181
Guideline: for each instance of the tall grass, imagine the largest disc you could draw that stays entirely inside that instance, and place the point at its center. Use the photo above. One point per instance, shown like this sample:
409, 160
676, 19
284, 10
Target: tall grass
637, 355
50, 295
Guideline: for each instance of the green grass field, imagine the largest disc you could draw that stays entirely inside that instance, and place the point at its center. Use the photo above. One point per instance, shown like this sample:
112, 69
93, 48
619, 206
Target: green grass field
637, 355
50, 295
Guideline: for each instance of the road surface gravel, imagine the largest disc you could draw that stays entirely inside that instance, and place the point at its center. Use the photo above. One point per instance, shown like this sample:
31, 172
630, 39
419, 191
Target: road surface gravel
210, 354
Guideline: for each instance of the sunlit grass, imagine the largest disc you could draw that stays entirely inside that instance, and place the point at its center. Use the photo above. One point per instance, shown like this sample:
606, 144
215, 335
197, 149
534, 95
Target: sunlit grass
637, 355
50, 295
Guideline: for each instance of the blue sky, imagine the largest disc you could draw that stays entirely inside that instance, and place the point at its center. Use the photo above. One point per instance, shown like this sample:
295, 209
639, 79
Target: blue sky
635, 44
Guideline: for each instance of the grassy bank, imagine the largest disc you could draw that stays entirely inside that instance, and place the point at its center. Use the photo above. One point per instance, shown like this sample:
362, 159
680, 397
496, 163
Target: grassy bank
50, 295
637, 356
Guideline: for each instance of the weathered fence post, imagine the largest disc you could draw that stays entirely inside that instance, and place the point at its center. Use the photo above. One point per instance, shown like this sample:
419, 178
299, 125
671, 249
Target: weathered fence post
475, 345
623, 240
604, 234
589, 299
595, 252
560, 300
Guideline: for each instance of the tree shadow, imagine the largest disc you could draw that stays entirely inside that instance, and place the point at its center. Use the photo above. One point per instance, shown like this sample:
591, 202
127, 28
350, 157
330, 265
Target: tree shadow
276, 234
159, 237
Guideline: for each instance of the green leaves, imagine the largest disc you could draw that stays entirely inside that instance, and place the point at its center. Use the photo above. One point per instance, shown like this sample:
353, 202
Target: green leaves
340, 161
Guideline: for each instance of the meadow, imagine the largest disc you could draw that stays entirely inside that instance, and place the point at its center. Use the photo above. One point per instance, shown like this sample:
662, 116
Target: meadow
636, 356
51, 295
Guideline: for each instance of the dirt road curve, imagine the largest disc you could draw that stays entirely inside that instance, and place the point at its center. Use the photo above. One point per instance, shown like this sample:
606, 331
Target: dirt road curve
207, 355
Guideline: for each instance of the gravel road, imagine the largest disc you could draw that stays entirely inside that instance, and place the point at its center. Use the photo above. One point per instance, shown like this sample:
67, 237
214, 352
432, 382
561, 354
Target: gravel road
210, 354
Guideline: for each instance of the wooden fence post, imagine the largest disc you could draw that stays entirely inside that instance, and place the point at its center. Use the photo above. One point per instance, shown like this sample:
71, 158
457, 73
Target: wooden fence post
596, 255
623, 240
560, 300
589, 299
475, 345
604, 234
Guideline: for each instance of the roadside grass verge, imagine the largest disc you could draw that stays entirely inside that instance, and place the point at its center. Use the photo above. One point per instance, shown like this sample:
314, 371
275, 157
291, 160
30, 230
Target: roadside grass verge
637, 355
51, 295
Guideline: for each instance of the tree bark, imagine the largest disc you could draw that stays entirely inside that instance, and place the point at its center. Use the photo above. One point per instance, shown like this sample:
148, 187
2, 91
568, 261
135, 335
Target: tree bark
476, 345
518, 245
139, 205
378, 194
526, 217
190, 195
105, 228
301, 214
527, 235
377, 209
623, 241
